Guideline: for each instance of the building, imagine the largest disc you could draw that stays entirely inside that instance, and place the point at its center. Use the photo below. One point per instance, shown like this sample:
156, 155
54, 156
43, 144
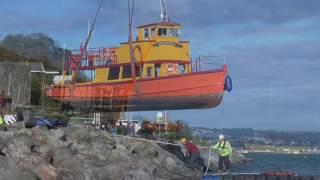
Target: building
15, 80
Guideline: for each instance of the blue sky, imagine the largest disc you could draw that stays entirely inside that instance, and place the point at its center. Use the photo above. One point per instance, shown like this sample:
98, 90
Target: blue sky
272, 48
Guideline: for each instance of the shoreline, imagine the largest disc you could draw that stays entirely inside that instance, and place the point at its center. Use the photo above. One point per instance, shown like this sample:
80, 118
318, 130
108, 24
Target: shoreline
273, 152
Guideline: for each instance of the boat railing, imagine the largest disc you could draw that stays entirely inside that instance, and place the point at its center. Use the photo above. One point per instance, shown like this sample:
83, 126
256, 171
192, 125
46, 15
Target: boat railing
206, 63
92, 58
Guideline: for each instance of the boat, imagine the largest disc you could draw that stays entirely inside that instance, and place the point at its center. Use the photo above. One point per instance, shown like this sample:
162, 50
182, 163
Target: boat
161, 78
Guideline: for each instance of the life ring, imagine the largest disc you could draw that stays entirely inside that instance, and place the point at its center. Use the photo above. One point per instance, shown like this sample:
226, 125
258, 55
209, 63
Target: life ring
173, 68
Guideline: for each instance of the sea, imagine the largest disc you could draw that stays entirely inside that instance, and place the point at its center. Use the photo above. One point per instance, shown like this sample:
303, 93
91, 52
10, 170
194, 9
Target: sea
298, 164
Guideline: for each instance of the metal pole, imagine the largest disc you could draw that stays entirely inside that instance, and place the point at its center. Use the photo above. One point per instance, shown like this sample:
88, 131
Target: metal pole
19, 94
199, 64
42, 90
9, 83
158, 129
166, 123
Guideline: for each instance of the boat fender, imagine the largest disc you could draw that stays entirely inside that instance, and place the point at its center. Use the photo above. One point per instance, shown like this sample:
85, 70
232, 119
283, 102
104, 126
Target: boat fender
228, 84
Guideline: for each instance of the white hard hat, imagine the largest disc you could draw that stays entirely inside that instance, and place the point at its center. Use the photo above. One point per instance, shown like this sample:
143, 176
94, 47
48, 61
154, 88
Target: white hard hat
221, 137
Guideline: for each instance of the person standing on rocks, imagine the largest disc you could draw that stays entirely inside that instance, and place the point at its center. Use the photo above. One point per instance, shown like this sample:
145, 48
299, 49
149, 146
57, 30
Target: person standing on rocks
121, 129
224, 150
1, 120
192, 155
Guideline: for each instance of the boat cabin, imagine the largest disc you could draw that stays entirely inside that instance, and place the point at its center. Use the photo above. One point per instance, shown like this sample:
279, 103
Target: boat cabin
158, 51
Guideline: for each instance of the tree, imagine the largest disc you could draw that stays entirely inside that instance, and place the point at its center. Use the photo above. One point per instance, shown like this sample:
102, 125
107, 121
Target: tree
35, 46
185, 132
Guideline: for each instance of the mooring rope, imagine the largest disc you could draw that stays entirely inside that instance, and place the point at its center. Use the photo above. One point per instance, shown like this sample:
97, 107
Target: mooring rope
208, 164
173, 144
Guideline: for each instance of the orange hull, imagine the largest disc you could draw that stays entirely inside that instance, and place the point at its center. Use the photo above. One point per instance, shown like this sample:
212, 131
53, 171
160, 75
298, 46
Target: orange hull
188, 91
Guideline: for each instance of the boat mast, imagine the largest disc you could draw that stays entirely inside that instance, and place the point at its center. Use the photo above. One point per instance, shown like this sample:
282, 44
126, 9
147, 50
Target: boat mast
163, 12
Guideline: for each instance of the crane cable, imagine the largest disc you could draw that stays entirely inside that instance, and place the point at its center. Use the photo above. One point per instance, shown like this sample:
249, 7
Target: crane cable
208, 164
93, 24
173, 144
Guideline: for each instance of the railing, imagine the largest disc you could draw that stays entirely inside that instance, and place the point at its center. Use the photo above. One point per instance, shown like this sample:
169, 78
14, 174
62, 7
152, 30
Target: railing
206, 63
88, 59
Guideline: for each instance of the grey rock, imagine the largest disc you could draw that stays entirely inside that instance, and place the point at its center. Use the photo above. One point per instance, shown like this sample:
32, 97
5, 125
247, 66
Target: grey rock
85, 154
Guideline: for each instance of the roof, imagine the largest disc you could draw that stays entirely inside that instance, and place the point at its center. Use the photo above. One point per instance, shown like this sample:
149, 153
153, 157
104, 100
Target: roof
162, 23
36, 67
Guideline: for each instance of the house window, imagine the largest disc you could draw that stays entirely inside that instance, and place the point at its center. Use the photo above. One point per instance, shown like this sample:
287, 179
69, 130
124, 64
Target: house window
114, 73
162, 32
126, 72
149, 72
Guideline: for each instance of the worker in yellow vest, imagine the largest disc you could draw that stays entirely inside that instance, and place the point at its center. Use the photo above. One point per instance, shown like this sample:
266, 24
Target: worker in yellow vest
1, 120
224, 150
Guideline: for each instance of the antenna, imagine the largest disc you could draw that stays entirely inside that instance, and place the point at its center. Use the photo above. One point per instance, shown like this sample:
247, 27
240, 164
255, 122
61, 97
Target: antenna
163, 12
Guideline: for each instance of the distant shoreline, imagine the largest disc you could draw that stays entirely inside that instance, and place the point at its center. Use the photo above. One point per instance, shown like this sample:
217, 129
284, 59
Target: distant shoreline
274, 152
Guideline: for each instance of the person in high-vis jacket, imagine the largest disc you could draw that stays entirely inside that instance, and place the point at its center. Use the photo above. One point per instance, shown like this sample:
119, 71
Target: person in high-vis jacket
1, 120
224, 150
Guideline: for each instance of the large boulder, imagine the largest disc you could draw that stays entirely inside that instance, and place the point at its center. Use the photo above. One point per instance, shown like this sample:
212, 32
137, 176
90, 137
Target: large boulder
82, 153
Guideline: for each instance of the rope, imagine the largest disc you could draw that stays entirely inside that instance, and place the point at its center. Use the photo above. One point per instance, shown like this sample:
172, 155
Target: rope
148, 140
174, 144
208, 165
92, 27
167, 143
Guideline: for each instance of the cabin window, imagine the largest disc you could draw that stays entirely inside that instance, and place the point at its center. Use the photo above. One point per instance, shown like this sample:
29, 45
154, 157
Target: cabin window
153, 31
126, 72
157, 70
149, 72
84, 63
101, 62
182, 68
114, 73
172, 32
146, 33
162, 32
86, 75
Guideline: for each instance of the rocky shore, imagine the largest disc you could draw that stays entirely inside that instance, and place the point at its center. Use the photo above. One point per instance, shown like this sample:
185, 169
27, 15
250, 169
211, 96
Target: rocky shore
82, 153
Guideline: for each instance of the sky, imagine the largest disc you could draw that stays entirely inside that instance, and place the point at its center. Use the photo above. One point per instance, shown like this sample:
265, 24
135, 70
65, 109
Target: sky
271, 47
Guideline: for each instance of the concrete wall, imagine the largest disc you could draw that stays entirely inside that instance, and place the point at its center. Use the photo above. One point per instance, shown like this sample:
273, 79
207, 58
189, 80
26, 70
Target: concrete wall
19, 74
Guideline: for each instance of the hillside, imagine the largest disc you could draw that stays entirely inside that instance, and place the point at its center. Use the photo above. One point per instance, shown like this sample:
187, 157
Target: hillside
9, 55
239, 137
36, 46
6, 55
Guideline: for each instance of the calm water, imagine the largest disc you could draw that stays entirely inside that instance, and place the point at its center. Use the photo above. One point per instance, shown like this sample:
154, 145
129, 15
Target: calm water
298, 164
